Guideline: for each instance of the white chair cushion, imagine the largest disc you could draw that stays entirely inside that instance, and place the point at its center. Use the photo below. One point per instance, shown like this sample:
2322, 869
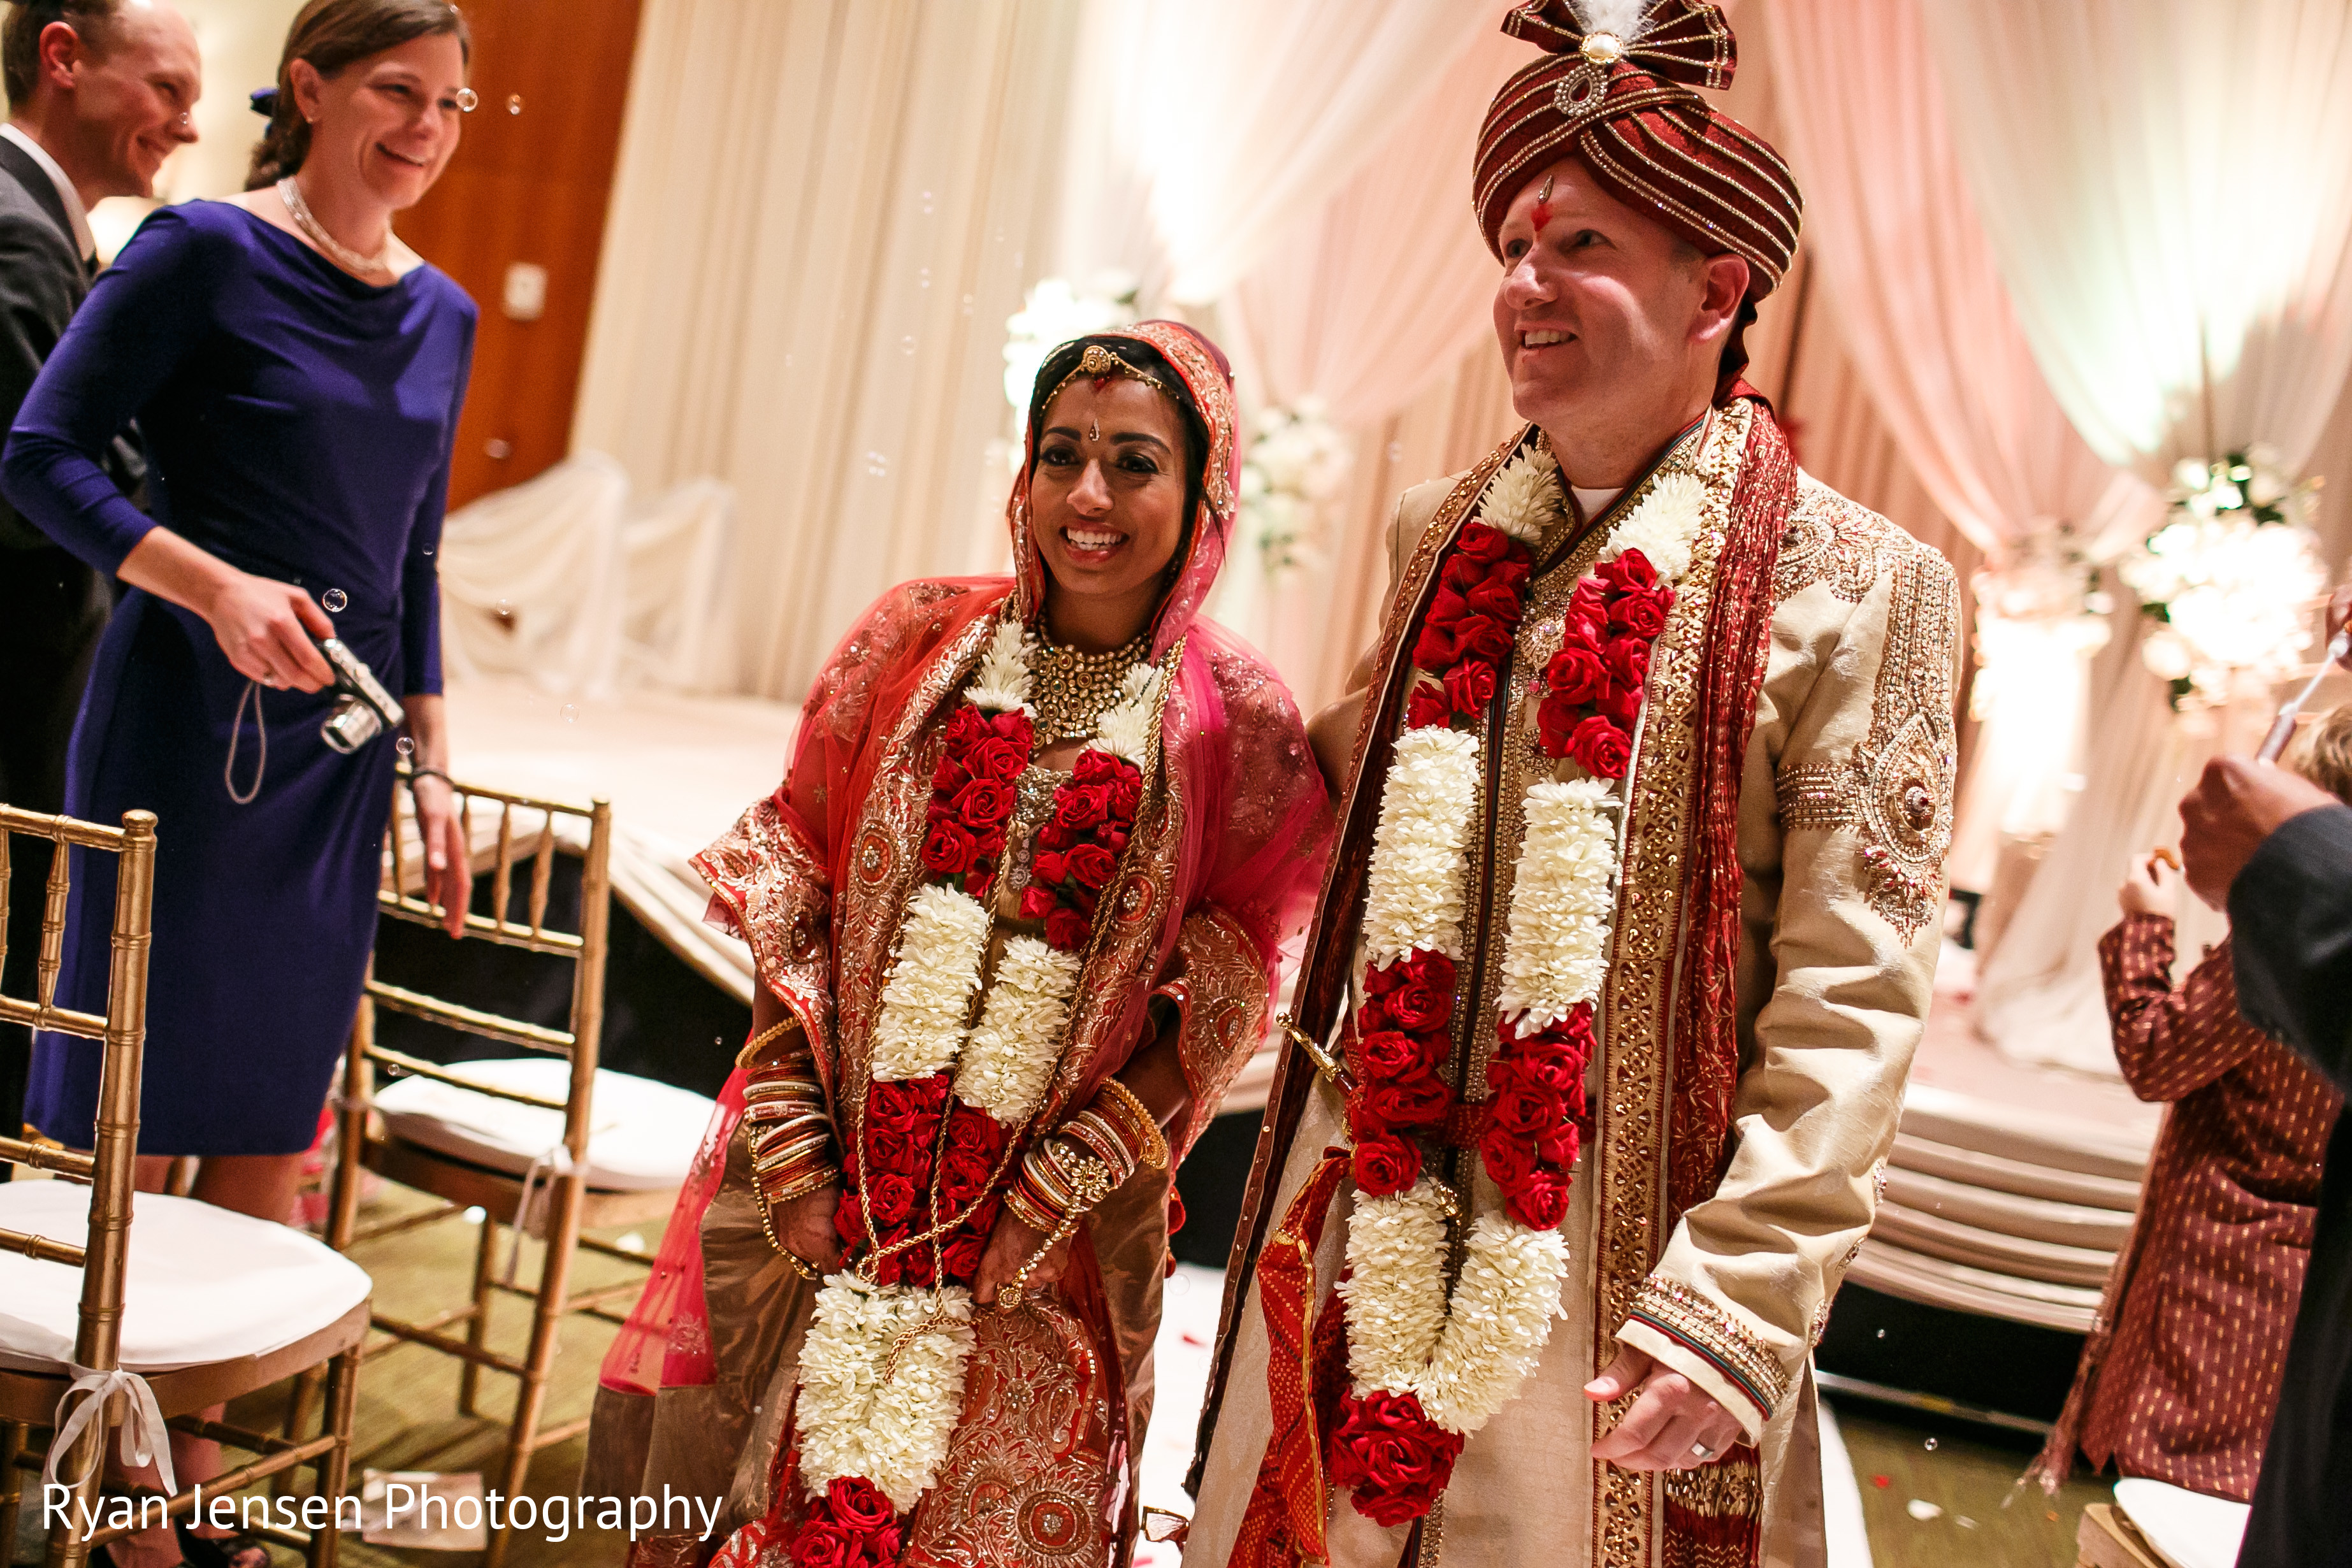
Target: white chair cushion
204, 1284
642, 1134
2191, 1528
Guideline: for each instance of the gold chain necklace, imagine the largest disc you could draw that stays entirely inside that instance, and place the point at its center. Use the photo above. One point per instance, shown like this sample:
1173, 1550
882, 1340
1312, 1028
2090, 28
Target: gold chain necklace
290, 191
1073, 689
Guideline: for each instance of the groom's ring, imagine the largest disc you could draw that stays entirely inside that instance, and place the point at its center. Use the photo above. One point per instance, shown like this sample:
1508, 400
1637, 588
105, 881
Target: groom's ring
1702, 1451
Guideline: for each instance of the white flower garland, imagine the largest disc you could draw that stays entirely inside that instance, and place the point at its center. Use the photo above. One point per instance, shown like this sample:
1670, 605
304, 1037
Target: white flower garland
1001, 682
1011, 1056
1663, 527
1421, 848
1396, 1301
1499, 1319
1465, 1358
853, 1420
1125, 728
1556, 944
1524, 498
929, 994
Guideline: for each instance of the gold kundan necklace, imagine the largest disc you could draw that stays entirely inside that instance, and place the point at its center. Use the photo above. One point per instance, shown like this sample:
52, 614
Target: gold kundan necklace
1073, 689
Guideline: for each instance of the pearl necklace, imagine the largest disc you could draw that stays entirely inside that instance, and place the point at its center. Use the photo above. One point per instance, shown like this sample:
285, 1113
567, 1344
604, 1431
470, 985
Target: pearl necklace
290, 193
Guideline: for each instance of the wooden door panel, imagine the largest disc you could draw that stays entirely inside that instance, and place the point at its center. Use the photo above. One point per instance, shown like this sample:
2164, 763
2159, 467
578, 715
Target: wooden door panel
529, 184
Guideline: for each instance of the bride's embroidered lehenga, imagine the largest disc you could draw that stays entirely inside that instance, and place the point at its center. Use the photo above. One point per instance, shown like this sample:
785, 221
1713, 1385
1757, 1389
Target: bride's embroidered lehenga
830, 883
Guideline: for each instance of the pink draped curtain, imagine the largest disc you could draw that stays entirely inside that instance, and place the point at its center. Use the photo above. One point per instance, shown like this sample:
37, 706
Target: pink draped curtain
1929, 329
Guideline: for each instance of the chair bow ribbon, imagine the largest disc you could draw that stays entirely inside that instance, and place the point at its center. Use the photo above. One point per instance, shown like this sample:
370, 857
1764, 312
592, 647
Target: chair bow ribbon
556, 1163
144, 1440
1684, 41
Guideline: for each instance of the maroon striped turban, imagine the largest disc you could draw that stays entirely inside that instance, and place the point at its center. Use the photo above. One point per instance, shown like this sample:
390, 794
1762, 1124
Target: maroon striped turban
1622, 101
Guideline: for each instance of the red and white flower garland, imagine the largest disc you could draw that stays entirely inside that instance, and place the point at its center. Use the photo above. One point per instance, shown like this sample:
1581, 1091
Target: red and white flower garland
1427, 1371
882, 1370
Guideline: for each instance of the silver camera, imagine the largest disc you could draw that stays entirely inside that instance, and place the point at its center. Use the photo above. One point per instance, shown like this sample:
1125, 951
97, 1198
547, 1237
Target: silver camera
364, 709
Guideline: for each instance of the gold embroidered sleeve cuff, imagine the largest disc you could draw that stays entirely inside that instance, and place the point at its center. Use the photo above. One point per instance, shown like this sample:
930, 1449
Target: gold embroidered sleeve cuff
769, 886
1707, 1344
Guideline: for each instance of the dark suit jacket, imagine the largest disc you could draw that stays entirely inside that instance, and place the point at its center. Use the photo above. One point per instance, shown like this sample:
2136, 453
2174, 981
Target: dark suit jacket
2291, 921
42, 282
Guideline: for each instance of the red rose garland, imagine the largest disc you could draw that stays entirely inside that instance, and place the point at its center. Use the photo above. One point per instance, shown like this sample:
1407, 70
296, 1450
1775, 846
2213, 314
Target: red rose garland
1080, 845
1383, 1446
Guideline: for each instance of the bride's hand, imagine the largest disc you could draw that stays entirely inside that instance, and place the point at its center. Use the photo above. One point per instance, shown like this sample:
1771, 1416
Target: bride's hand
1009, 1245
804, 1225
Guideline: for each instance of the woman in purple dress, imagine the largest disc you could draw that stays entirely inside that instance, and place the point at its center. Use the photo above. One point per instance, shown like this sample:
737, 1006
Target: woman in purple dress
298, 373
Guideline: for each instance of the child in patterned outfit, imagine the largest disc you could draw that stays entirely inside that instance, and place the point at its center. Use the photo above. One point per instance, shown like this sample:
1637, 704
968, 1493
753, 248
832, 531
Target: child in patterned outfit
2180, 1375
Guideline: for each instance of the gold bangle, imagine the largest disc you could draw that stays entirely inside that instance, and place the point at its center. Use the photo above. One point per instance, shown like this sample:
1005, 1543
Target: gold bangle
743, 1057
794, 1261
817, 1179
1153, 1154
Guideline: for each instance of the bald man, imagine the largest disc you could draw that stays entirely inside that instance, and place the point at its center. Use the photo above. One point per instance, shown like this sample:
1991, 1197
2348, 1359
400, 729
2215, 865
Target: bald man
100, 92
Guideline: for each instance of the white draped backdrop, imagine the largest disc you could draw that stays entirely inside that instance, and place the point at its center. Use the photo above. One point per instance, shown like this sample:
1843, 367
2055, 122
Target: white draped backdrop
2050, 249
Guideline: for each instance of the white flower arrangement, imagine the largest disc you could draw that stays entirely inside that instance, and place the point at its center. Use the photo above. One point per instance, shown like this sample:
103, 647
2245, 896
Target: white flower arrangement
1012, 1053
1002, 684
1524, 500
929, 994
1125, 728
1297, 459
1556, 944
2228, 580
1056, 312
1413, 887
1663, 525
855, 1420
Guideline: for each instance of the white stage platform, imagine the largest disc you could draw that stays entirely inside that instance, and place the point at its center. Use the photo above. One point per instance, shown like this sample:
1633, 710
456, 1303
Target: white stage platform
678, 769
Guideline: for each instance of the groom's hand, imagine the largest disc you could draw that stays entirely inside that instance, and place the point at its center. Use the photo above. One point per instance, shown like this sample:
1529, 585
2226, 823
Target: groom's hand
1671, 1420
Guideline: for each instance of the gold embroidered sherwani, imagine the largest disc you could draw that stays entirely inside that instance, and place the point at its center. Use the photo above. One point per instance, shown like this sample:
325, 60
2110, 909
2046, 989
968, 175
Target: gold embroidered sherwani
1844, 812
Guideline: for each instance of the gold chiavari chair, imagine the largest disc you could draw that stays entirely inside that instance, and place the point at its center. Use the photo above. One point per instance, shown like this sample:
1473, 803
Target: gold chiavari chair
128, 1288
553, 1193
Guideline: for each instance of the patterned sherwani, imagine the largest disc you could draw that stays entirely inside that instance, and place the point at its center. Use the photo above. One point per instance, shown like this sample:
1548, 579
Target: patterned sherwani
1837, 810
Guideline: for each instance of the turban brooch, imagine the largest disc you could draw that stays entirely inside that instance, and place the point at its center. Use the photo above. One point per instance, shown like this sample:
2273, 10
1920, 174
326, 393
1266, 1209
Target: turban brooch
1616, 89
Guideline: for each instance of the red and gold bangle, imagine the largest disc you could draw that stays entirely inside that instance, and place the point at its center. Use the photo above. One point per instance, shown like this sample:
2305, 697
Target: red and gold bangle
1085, 1160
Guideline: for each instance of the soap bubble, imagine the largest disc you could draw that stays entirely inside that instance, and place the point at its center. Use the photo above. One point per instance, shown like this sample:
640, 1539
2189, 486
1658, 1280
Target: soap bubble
334, 599
878, 464
514, 103
406, 747
570, 715
906, 344
1931, 1445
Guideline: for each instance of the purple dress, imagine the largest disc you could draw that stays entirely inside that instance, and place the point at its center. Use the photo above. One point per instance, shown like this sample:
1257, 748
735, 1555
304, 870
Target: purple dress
300, 424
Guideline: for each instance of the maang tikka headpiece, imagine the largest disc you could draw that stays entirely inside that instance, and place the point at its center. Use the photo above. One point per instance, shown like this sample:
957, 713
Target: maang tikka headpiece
1099, 364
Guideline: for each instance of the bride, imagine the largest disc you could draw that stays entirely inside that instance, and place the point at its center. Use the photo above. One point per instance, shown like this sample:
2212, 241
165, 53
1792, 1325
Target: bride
1017, 912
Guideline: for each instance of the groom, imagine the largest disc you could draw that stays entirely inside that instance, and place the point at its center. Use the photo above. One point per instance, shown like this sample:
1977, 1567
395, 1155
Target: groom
1601, 1040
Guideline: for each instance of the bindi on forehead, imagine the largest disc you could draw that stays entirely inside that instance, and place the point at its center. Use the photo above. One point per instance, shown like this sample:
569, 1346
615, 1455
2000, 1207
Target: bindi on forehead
1542, 214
